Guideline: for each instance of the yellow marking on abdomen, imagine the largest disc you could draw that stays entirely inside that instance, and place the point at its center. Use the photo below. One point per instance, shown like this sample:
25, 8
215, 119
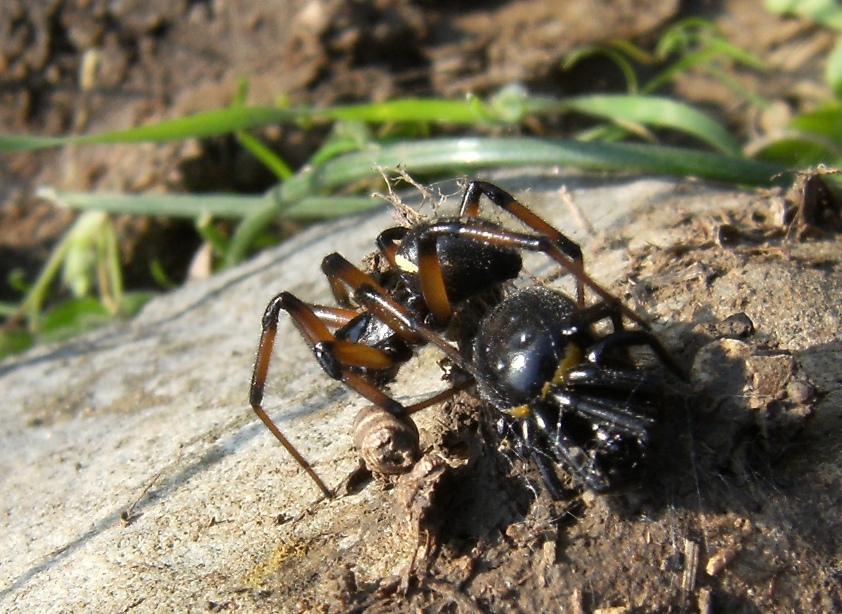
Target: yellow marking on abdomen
572, 357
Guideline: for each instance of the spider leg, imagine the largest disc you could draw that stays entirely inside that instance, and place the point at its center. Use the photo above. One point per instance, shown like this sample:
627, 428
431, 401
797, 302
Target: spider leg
564, 245
335, 357
341, 272
438, 397
616, 451
258, 386
536, 243
624, 339
431, 278
542, 461
338, 268
636, 418
597, 377
563, 452
329, 315
621, 340
334, 316
387, 242
376, 300
601, 311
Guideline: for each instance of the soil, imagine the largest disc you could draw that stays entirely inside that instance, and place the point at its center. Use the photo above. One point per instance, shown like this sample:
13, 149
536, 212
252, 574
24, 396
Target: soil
89, 65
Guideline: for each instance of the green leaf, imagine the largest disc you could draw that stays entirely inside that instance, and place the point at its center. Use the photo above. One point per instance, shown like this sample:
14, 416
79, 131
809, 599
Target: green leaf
800, 151
17, 280
73, 317
132, 302
160, 275
826, 12
825, 121
14, 341
168, 205
405, 110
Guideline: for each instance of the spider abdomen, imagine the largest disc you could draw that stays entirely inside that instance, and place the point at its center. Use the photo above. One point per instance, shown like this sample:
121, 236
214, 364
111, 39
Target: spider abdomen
522, 343
468, 267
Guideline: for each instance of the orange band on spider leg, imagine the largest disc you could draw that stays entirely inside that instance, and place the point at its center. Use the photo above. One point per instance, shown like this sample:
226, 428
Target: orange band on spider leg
261, 365
308, 322
333, 316
470, 207
534, 221
562, 243
360, 355
432, 281
389, 253
388, 311
339, 290
567, 245
580, 285
399, 319
336, 266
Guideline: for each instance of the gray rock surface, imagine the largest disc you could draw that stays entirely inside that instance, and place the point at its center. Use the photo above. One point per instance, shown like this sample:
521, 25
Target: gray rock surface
151, 417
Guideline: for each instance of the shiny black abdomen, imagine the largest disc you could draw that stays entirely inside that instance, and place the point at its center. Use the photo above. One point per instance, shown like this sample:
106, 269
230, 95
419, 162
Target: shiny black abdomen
368, 330
468, 266
521, 343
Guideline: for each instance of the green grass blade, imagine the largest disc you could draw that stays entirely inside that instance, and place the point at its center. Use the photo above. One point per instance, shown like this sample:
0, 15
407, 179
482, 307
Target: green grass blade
730, 51
267, 157
619, 55
833, 68
168, 205
649, 111
504, 108
198, 205
436, 110
209, 123
233, 119
248, 230
726, 77
455, 155
439, 155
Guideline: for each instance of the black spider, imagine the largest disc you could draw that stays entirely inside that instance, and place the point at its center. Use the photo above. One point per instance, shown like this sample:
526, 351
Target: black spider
574, 397
571, 397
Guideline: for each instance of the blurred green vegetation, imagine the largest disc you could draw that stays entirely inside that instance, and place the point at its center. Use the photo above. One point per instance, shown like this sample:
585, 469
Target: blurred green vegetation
417, 134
